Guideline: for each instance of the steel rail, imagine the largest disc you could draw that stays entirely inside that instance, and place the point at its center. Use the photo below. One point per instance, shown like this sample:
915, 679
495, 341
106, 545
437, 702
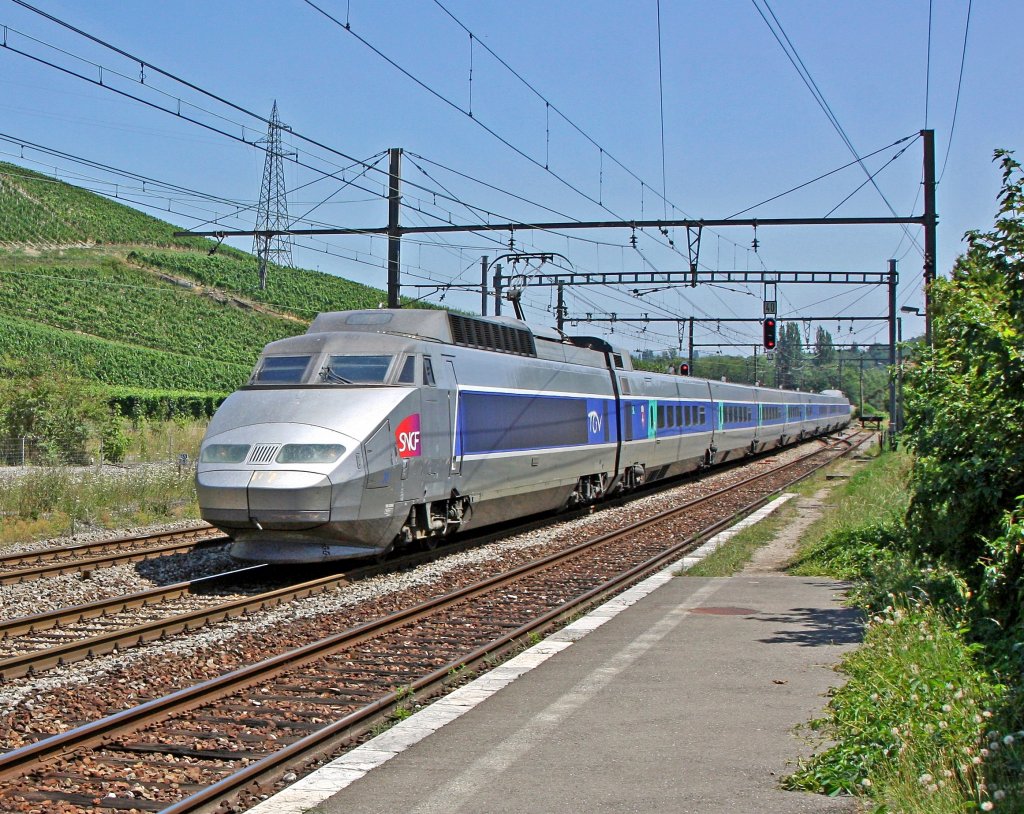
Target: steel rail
101, 608
44, 554
96, 732
111, 641
202, 538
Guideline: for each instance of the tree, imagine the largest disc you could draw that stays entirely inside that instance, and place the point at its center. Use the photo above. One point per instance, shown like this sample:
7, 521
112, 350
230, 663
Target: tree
824, 349
965, 401
789, 357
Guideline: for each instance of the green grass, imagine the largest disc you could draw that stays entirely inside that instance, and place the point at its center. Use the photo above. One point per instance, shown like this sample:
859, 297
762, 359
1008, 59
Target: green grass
115, 301
910, 721
99, 291
730, 558
54, 501
297, 291
39, 210
874, 500
33, 349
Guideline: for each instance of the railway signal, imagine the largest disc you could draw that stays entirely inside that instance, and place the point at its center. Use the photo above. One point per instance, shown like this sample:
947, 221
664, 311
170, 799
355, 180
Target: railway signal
769, 334
684, 369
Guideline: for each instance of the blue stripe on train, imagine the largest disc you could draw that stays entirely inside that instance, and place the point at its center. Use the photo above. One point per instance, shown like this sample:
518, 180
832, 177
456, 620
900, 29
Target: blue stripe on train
518, 422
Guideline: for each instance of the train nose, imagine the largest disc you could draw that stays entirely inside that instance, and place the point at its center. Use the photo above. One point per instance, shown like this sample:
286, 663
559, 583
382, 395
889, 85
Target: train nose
283, 485
269, 499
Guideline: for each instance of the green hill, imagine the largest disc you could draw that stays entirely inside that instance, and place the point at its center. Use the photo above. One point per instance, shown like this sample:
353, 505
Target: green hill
97, 291
39, 211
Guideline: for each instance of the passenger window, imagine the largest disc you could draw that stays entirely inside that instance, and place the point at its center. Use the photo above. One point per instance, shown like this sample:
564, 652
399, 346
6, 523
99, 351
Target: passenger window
408, 374
428, 372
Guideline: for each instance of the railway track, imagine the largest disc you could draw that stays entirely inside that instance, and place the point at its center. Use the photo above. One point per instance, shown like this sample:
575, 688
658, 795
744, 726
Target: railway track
48, 562
183, 751
30, 645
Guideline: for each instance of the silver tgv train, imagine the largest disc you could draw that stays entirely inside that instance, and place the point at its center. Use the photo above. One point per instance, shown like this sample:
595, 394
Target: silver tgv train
389, 427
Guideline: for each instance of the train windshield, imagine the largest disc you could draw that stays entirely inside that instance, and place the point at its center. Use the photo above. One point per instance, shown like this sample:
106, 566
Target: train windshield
281, 370
356, 369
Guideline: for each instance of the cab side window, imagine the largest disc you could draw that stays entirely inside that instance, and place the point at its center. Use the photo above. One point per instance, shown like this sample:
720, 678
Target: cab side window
408, 374
428, 372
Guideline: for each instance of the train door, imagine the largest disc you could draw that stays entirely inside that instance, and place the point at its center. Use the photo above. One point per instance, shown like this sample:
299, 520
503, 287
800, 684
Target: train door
381, 459
437, 436
452, 388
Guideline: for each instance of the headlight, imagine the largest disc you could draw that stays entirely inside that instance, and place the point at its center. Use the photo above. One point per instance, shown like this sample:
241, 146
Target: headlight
309, 453
224, 453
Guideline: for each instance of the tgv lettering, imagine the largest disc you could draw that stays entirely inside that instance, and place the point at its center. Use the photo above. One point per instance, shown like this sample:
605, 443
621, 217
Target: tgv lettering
595, 421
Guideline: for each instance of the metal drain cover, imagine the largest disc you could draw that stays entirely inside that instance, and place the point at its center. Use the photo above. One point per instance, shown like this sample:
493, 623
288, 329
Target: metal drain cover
725, 611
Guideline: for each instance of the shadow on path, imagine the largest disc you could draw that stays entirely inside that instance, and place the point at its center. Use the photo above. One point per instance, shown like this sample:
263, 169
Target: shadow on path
815, 627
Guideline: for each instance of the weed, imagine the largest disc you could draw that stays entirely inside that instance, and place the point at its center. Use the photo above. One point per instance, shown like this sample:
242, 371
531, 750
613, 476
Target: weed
926, 722
48, 501
405, 698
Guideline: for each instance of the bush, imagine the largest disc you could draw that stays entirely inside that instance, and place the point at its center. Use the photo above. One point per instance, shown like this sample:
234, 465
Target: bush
56, 413
965, 409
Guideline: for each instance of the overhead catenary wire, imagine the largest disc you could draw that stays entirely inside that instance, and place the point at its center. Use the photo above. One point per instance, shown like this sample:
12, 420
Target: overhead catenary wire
794, 57
661, 108
462, 203
192, 86
144, 64
476, 119
959, 85
821, 177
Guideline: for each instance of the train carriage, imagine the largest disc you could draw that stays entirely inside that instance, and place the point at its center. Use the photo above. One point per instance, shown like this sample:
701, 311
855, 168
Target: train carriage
388, 427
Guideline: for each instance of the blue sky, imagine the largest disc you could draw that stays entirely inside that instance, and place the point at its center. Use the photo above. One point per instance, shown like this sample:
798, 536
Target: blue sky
740, 126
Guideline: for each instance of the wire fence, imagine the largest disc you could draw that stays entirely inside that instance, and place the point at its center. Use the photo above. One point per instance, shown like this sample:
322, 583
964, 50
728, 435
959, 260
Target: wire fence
168, 447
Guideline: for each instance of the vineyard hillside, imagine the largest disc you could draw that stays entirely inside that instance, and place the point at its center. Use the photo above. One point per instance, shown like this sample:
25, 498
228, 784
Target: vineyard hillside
96, 291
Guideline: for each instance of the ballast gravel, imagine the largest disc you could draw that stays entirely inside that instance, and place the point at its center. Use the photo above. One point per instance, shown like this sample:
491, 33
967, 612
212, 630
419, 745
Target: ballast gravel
67, 696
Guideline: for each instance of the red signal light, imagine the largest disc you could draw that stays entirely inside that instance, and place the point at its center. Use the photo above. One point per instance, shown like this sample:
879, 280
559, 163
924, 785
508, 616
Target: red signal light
769, 334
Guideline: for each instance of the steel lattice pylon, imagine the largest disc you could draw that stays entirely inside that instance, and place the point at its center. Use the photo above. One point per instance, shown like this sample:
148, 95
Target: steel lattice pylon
272, 215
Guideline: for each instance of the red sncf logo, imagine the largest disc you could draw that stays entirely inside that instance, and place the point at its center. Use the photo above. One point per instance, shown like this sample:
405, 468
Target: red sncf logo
407, 437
